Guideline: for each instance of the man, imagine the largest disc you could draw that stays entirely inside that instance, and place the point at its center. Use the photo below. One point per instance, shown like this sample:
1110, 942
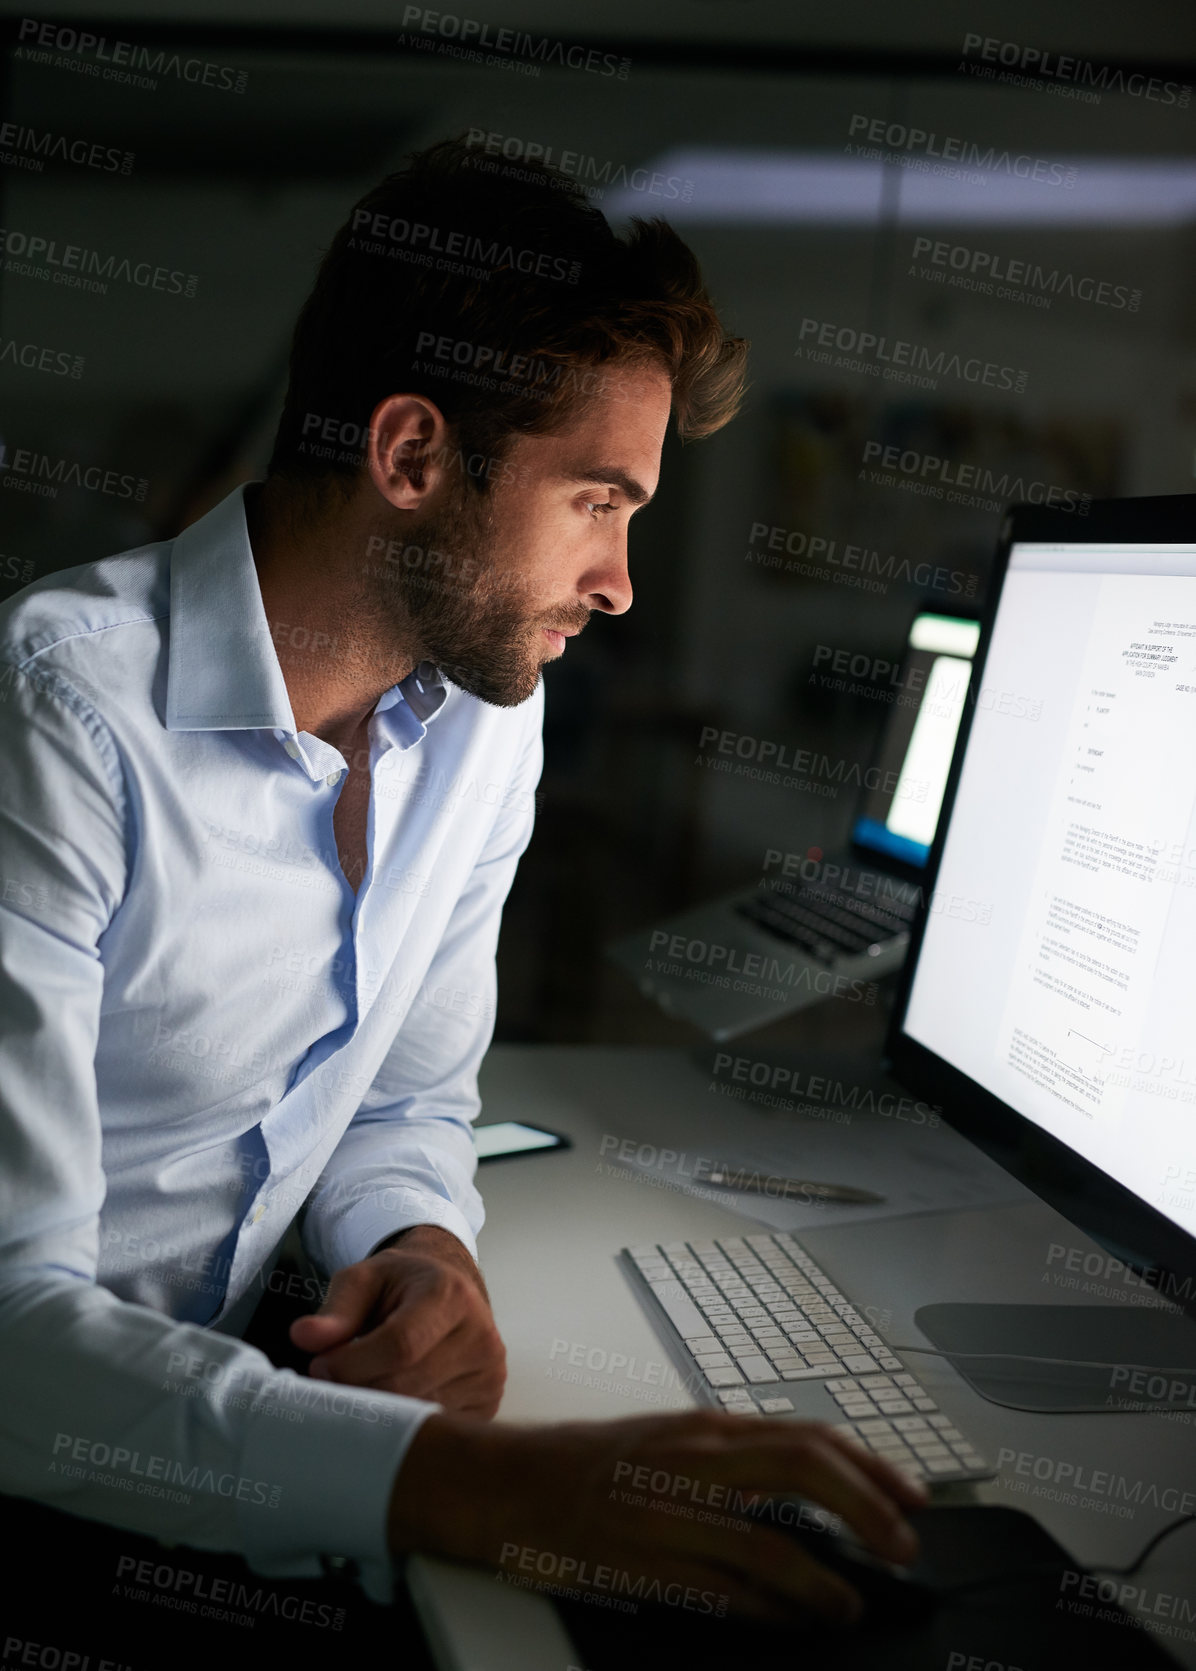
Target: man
266, 788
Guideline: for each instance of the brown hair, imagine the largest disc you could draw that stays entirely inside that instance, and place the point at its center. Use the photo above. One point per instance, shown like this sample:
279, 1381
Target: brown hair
498, 292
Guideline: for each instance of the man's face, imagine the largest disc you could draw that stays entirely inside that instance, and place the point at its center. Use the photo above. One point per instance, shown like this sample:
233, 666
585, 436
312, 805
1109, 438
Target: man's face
526, 563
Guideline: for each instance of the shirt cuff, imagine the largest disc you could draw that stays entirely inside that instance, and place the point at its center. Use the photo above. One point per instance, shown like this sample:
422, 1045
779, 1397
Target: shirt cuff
357, 1232
326, 1456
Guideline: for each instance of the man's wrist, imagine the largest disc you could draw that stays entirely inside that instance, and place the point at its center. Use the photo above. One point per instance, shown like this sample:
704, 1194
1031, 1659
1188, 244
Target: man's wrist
459, 1490
423, 1235
434, 1242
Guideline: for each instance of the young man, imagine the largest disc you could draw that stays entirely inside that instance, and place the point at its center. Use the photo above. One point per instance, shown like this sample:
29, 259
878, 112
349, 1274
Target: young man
266, 787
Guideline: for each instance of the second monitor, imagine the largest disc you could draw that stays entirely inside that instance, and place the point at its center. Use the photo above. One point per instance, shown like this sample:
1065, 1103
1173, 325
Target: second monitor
841, 921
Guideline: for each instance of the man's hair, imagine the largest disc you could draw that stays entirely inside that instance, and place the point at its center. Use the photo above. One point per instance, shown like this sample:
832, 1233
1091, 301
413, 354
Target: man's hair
499, 292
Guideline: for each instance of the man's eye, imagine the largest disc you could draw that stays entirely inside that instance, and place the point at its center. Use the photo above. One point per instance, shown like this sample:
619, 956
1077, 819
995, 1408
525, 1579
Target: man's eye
598, 505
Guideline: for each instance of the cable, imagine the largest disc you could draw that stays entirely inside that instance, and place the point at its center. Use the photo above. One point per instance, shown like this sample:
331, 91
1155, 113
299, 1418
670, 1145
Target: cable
1037, 1568
1128, 1572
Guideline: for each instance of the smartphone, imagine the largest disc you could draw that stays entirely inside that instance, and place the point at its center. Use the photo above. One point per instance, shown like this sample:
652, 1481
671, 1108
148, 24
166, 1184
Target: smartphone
509, 1137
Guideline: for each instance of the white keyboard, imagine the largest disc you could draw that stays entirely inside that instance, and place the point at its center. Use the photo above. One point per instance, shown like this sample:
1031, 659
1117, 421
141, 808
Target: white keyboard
768, 1333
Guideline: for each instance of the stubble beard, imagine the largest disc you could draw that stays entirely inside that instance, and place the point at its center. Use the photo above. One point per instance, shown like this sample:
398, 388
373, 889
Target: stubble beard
466, 610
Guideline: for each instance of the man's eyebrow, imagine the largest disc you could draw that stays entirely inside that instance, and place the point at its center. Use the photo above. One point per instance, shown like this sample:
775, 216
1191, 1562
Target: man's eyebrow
610, 475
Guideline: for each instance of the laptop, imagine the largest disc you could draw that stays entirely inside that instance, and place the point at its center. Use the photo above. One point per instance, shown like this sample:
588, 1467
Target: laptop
821, 927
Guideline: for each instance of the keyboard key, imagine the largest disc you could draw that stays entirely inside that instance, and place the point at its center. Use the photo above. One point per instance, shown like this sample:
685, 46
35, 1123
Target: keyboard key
755, 1368
712, 1360
814, 1374
775, 1406
724, 1377
924, 1403
937, 1466
911, 1424
894, 1406
702, 1343
860, 1365
681, 1311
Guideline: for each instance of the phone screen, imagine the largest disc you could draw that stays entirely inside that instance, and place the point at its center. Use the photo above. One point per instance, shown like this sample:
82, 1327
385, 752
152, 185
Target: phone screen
509, 1137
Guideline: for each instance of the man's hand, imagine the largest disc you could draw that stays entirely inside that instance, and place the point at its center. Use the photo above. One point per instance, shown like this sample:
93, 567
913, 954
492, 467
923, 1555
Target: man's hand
604, 1498
413, 1318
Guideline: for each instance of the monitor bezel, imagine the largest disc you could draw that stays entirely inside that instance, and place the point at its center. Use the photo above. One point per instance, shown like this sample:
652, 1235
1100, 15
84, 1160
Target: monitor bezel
1108, 1211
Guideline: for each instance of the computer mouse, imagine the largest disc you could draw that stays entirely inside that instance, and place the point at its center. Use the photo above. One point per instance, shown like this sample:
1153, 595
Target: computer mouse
890, 1594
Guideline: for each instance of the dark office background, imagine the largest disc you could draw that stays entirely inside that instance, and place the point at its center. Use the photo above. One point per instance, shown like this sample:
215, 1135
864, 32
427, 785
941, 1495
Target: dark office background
752, 101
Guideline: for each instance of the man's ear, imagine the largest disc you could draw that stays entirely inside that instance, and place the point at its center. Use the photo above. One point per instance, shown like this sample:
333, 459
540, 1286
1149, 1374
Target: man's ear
408, 444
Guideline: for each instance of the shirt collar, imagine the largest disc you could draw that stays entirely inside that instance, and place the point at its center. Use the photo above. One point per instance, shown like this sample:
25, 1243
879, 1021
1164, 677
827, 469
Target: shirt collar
224, 673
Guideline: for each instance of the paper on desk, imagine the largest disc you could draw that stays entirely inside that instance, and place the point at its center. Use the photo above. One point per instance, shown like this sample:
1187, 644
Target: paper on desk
917, 1168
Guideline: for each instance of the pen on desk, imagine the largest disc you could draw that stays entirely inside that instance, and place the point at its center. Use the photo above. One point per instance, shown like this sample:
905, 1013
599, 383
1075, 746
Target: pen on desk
755, 1184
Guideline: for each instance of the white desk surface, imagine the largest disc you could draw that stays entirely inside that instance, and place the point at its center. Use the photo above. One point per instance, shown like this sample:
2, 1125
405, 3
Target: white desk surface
580, 1346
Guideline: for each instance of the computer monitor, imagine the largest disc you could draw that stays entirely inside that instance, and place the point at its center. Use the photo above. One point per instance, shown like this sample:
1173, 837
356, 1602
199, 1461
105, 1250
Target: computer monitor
1058, 1029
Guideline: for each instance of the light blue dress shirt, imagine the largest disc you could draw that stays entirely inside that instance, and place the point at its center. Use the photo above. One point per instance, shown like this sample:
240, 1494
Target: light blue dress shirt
206, 1032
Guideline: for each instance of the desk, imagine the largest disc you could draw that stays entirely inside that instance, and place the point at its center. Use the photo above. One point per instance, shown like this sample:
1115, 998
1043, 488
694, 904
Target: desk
580, 1346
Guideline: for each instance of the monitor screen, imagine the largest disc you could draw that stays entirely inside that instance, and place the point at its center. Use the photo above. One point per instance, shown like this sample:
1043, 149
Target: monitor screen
919, 740
1074, 820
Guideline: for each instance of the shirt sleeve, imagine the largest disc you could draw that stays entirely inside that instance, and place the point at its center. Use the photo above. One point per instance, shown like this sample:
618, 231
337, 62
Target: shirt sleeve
111, 1410
408, 1155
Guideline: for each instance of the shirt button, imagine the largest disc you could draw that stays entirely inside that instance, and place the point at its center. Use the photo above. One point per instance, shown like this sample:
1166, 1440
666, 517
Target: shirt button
333, 779
292, 748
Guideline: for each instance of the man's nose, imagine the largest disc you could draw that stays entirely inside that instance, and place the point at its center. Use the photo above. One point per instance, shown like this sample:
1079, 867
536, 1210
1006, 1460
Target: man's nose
610, 587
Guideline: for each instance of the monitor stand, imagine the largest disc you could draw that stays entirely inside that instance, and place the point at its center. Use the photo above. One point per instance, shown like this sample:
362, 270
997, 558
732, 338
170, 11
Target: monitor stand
1119, 1337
